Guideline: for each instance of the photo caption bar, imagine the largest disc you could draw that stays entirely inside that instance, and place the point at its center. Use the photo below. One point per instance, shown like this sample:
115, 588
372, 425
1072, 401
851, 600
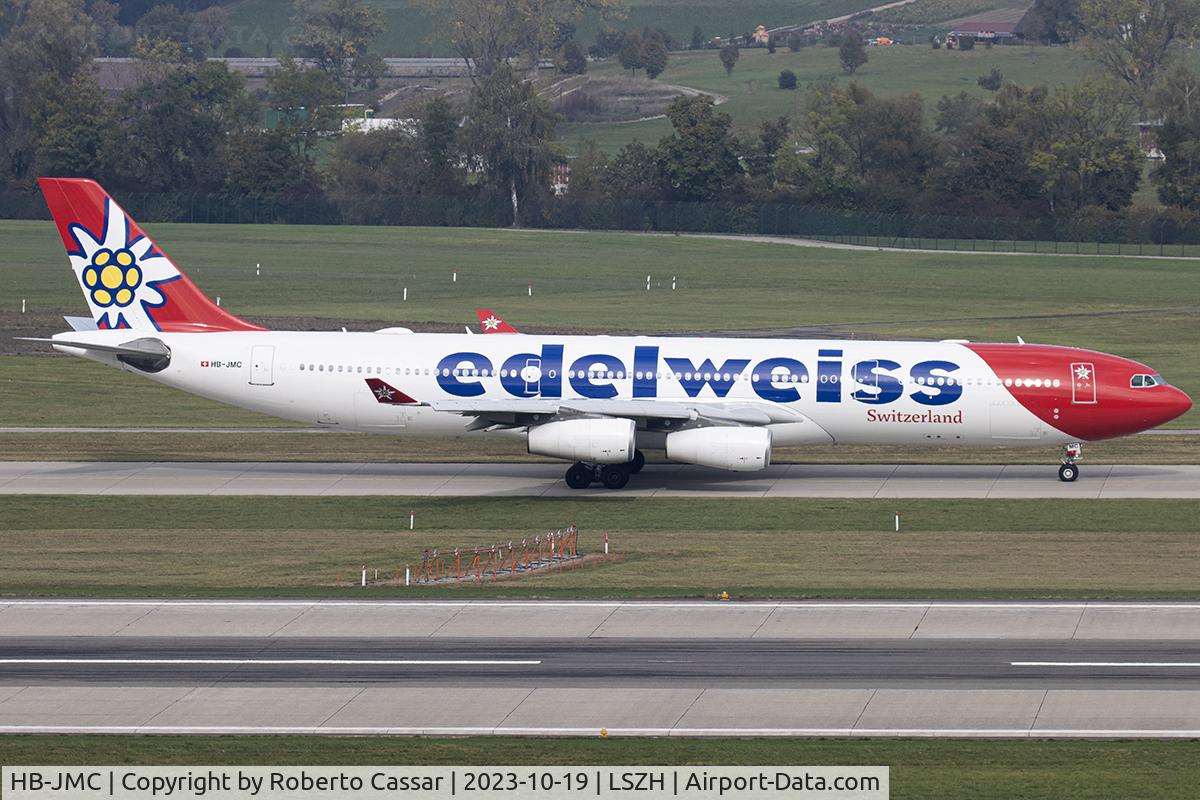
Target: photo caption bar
443, 783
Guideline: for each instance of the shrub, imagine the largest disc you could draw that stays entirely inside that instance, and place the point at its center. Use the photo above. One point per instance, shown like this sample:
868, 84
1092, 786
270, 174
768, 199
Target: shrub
787, 79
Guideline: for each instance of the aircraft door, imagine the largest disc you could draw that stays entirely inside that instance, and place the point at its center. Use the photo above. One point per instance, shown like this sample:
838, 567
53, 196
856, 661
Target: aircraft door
532, 375
262, 365
1083, 383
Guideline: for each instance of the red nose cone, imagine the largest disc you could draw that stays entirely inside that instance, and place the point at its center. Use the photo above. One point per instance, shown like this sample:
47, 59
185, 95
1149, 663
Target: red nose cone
1177, 404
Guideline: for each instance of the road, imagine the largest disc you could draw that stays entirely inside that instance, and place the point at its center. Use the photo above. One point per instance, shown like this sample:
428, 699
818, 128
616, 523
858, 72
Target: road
1097, 481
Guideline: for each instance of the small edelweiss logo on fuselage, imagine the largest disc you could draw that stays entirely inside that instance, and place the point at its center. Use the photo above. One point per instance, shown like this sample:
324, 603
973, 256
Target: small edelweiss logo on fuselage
120, 275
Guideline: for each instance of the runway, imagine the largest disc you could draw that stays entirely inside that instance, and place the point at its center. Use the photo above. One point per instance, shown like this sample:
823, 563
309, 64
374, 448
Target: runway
601, 663
1097, 481
1086, 669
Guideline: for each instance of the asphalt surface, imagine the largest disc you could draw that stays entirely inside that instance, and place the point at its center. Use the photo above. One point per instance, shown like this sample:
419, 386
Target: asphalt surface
558, 668
1098, 481
600, 664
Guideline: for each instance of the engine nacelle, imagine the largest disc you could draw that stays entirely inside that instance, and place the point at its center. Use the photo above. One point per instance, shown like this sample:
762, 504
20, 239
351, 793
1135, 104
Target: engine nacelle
600, 441
732, 448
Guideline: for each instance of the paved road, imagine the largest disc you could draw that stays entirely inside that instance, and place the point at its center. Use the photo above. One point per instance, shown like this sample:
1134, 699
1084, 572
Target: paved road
801, 480
755, 669
601, 663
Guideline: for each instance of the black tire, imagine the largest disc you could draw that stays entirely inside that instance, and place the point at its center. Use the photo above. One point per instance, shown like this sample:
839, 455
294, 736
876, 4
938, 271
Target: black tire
579, 476
639, 461
1068, 473
614, 476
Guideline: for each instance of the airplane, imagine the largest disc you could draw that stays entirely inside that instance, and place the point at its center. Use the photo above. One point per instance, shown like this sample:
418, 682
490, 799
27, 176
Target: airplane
597, 401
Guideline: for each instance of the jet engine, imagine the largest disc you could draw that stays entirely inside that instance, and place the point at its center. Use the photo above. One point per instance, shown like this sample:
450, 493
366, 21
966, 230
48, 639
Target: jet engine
599, 441
733, 448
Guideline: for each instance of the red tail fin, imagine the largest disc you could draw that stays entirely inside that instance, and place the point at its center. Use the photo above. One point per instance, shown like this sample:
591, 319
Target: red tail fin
127, 280
491, 323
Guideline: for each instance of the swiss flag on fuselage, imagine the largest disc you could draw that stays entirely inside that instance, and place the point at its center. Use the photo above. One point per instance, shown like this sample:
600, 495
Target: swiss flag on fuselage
387, 394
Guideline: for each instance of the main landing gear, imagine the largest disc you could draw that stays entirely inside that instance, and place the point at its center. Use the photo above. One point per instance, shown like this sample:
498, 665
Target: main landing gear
1068, 472
611, 476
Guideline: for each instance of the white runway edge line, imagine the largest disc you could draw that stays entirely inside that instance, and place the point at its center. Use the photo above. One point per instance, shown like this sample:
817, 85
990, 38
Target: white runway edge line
276, 662
707, 605
1105, 663
939, 733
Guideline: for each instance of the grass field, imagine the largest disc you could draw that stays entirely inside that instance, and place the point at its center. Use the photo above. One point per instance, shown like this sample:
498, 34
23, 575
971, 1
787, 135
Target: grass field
60, 545
981, 770
326, 277
753, 93
256, 25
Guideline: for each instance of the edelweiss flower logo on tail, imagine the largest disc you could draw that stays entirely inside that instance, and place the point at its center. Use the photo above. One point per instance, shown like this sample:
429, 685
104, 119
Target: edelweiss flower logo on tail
120, 276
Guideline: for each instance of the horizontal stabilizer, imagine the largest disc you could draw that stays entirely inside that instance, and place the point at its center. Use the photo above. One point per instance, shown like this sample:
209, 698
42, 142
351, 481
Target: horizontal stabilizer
137, 347
81, 323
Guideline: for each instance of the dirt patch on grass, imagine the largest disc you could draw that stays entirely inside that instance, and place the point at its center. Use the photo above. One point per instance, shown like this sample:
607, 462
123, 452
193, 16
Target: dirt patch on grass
606, 100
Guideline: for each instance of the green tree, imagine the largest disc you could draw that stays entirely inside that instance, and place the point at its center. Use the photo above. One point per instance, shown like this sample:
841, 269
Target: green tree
608, 44
374, 163
698, 40
337, 36
992, 81
260, 162
509, 131
633, 173
1132, 40
699, 159
654, 56
489, 33
439, 143
1090, 157
729, 57
177, 124
787, 79
1053, 21
589, 173
306, 99
852, 54
571, 60
70, 123
631, 52
1178, 174
44, 44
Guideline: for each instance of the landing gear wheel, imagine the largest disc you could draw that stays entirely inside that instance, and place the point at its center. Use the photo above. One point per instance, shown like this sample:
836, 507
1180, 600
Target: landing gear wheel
1068, 473
579, 476
639, 461
614, 476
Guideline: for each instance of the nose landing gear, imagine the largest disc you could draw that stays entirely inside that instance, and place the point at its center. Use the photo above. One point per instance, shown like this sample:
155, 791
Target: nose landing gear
1068, 472
612, 476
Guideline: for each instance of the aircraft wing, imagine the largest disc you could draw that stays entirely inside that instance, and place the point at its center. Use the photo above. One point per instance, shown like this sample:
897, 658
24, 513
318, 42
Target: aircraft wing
521, 412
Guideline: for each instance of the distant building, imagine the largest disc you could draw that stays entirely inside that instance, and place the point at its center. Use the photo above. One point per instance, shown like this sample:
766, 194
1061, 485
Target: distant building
761, 35
987, 31
1148, 138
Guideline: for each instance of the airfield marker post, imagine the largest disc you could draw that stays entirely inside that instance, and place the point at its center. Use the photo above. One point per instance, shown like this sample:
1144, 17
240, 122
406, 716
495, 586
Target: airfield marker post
647, 283
22, 305
672, 283
606, 545
530, 290
364, 575
407, 575
406, 293
257, 270
897, 522
454, 277
218, 301
412, 519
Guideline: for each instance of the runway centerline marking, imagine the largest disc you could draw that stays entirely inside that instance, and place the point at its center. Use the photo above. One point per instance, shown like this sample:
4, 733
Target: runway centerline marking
1105, 663
277, 662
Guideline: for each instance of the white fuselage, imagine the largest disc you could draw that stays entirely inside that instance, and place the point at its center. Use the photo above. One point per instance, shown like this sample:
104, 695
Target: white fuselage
881, 392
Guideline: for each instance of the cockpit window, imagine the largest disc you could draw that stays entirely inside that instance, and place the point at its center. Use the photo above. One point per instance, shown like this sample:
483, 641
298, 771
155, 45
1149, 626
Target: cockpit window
1142, 381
